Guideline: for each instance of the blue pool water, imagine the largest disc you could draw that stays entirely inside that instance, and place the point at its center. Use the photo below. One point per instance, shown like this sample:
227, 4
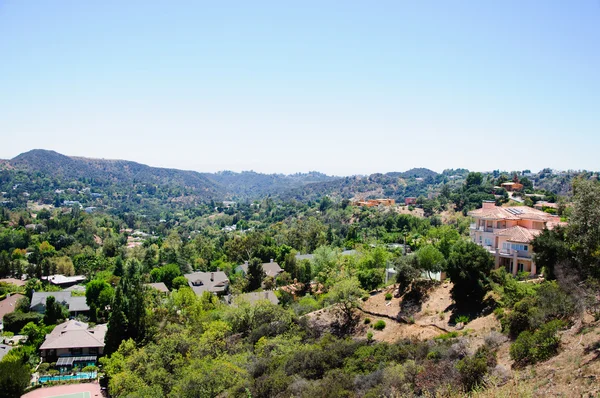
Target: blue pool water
78, 376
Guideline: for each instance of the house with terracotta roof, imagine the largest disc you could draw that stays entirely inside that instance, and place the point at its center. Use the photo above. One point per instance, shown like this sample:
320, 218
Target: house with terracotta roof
73, 343
507, 232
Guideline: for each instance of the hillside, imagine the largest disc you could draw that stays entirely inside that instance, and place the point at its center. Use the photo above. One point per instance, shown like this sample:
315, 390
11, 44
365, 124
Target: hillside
396, 185
103, 172
250, 184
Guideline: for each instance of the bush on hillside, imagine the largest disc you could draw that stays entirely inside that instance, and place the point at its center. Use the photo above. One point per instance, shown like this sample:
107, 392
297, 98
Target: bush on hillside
379, 325
538, 346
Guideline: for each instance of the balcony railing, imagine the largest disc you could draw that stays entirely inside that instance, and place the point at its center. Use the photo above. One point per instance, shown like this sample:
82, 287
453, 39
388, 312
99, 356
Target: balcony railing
511, 252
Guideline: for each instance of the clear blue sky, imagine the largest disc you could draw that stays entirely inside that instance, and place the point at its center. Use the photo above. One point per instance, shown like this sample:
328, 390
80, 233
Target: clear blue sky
341, 87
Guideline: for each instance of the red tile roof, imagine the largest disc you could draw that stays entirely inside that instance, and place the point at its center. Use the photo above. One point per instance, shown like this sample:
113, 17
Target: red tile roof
518, 234
513, 213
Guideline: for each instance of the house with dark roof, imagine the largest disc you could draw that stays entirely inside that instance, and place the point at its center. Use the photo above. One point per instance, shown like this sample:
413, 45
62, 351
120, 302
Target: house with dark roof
254, 297
160, 286
75, 304
271, 269
4, 349
73, 343
212, 282
300, 257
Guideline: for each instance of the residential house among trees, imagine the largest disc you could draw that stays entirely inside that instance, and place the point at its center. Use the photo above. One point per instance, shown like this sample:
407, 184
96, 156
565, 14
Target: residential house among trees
271, 269
8, 305
507, 233
213, 282
75, 304
64, 281
73, 343
375, 202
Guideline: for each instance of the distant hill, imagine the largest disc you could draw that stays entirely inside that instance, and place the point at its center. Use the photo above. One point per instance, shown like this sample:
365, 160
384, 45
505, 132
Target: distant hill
249, 184
100, 172
42, 173
415, 173
395, 185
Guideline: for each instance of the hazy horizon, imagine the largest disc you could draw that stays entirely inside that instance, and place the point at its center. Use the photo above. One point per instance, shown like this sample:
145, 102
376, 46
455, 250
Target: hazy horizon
348, 89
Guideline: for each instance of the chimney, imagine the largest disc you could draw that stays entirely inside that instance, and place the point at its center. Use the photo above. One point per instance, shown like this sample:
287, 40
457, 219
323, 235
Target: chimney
488, 204
271, 260
212, 276
218, 269
267, 295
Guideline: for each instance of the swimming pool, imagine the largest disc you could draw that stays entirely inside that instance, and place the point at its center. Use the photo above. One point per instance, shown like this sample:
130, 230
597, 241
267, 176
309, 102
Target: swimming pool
78, 376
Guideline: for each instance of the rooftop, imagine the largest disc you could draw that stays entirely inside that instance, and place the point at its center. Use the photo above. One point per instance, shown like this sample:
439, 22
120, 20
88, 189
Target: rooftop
64, 280
160, 286
74, 334
73, 303
213, 282
9, 304
257, 296
518, 234
271, 269
512, 213
4, 349
17, 282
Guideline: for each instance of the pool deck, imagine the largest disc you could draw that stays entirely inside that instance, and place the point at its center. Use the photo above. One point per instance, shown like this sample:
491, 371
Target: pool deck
70, 391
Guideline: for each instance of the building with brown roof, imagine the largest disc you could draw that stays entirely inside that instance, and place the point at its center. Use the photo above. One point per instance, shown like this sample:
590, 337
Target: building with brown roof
375, 202
73, 343
507, 233
13, 281
8, 305
512, 186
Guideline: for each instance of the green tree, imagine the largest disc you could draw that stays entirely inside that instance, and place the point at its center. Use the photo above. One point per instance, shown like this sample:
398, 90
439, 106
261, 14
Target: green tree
474, 179
128, 313
584, 226
54, 311
468, 267
98, 295
430, 259
165, 274
255, 274
179, 282
346, 293
14, 378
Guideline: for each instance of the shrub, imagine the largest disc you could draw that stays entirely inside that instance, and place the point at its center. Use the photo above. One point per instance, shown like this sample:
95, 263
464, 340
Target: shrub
434, 355
463, 319
473, 369
43, 368
369, 336
15, 321
379, 325
367, 321
90, 368
538, 346
447, 336
388, 296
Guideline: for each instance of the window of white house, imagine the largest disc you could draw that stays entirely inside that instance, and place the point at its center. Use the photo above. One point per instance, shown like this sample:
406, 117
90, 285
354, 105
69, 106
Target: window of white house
488, 242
